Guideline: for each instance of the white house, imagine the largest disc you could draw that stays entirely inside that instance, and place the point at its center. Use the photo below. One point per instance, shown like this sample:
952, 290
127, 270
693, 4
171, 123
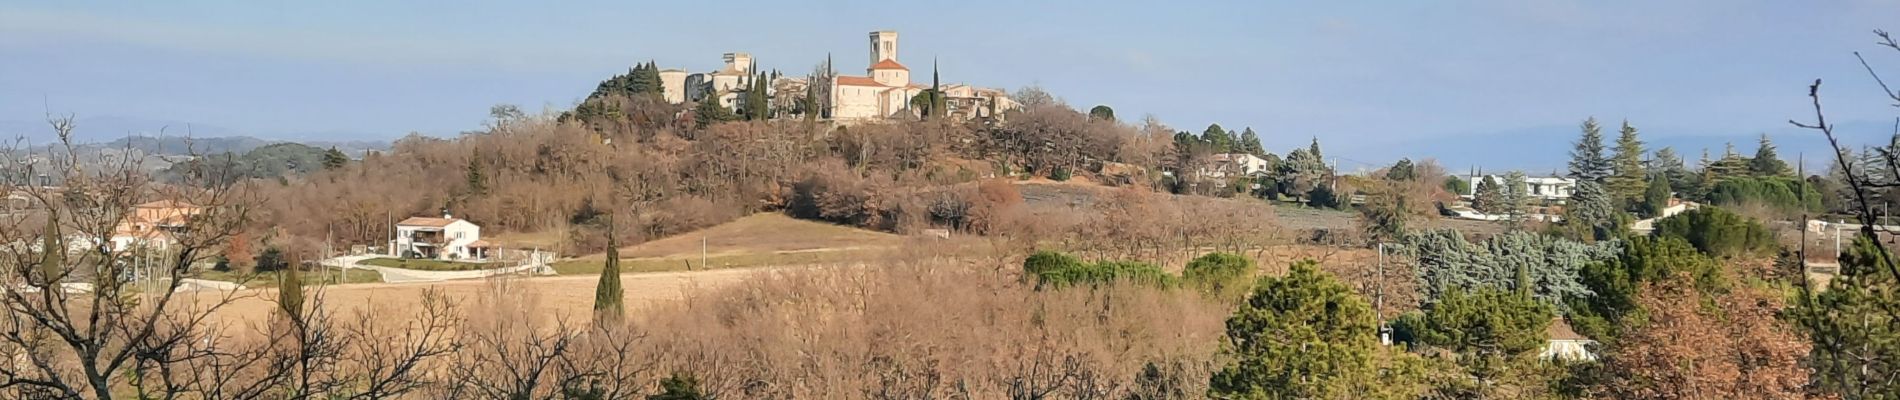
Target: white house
1565, 344
1241, 164
1549, 188
445, 238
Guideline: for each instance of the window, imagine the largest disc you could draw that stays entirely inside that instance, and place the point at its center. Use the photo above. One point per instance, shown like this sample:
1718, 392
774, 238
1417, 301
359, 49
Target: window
458, 235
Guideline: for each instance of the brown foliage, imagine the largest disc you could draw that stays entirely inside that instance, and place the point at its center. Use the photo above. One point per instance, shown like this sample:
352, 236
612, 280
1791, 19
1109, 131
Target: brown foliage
1729, 345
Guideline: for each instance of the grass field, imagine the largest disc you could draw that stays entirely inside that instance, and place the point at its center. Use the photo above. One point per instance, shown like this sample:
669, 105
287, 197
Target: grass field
428, 265
764, 239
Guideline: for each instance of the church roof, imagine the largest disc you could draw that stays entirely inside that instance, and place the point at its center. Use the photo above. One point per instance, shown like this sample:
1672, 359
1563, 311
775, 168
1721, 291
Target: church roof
847, 80
888, 64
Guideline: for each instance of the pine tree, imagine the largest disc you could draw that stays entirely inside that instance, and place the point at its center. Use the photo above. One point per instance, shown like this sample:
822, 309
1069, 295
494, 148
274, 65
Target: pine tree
1220, 139
1590, 213
1855, 334
1627, 182
1250, 142
1514, 199
1765, 162
334, 159
1667, 166
609, 297
1587, 161
1490, 197
1301, 336
710, 112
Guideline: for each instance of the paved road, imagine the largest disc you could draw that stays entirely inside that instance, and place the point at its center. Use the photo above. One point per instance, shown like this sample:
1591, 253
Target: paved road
535, 265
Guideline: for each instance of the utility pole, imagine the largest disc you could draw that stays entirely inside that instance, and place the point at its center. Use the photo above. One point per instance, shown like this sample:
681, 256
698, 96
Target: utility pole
1378, 299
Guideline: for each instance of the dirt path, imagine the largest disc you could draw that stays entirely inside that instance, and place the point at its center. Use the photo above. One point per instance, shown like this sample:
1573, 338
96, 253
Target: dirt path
561, 295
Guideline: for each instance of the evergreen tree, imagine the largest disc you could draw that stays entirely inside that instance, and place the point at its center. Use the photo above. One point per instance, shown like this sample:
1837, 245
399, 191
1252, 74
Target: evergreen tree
290, 294
1587, 161
1627, 181
1765, 162
755, 105
1513, 199
1856, 336
1220, 139
1490, 328
476, 179
1250, 143
1590, 213
680, 386
609, 297
1301, 336
1446, 260
1401, 171
1314, 150
1489, 198
710, 112
1655, 199
272, 259
1102, 112
334, 159
1667, 166
1457, 186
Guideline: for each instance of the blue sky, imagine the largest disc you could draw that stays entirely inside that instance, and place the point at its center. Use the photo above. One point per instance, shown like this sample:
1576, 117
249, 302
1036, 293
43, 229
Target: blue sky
1468, 82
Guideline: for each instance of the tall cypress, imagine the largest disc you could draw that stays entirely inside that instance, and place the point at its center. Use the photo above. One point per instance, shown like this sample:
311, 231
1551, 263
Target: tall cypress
609, 297
290, 292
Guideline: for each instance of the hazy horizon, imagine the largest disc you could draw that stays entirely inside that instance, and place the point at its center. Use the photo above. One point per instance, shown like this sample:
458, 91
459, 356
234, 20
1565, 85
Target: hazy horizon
1469, 84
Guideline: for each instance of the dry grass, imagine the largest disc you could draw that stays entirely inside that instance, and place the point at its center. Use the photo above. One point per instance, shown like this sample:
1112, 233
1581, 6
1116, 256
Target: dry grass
762, 233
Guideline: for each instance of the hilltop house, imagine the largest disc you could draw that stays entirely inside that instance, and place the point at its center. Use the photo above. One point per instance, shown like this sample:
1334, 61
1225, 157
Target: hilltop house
1236, 164
445, 238
153, 225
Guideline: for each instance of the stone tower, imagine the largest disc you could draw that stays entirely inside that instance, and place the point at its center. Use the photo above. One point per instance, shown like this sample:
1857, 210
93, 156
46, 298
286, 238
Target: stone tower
883, 46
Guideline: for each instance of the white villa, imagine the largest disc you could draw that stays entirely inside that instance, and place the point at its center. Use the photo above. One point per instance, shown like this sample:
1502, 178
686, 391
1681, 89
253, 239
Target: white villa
1556, 189
445, 238
1240, 164
884, 91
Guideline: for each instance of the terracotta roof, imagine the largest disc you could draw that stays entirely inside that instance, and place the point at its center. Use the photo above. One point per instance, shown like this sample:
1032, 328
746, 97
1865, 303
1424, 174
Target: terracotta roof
428, 221
480, 243
857, 81
888, 64
1560, 330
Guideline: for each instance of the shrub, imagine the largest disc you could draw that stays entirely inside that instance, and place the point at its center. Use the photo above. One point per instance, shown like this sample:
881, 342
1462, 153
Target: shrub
1718, 232
1058, 270
1222, 275
1782, 193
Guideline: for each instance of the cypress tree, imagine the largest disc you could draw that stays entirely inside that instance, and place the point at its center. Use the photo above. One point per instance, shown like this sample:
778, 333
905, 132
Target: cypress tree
477, 180
52, 251
334, 159
290, 293
609, 297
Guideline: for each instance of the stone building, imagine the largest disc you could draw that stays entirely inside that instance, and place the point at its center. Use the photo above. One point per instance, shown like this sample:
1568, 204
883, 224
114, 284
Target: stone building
883, 92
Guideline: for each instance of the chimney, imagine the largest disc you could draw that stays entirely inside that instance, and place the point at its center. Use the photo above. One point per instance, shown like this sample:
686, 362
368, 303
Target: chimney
446, 215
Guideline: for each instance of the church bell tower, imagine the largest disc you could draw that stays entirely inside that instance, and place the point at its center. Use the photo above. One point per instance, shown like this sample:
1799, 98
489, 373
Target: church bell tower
883, 46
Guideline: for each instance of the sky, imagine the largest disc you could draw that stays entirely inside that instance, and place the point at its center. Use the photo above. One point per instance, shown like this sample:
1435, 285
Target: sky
1493, 83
